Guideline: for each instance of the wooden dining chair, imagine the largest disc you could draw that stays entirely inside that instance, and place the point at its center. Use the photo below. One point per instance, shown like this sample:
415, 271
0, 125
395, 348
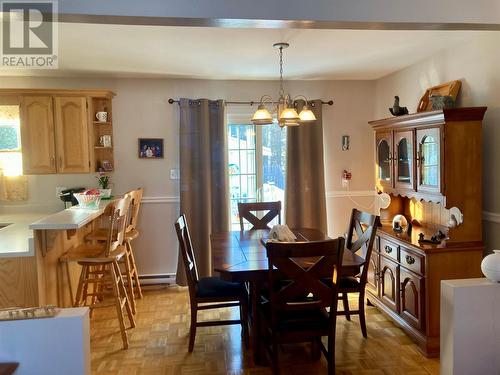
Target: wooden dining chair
360, 240
246, 211
300, 296
209, 292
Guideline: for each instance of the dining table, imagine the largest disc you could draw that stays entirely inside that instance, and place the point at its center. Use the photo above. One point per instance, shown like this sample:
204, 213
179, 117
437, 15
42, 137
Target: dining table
240, 256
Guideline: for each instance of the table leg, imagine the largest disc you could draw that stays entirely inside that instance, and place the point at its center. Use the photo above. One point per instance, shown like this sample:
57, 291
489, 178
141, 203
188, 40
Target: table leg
254, 298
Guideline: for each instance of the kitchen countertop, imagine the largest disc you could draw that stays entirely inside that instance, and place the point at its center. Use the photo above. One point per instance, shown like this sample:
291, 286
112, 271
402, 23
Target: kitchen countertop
16, 230
16, 238
70, 218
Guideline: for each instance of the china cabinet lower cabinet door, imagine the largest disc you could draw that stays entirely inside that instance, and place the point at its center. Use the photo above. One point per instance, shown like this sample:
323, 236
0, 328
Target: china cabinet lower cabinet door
72, 134
372, 282
412, 298
389, 276
37, 135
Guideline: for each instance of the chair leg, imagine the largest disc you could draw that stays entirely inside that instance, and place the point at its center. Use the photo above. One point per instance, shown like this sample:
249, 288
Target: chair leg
244, 320
123, 294
345, 303
70, 288
315, 349
331, 343
275, 355
79, 290
133, 266
362, 320
192, 328
118, 302
130, 285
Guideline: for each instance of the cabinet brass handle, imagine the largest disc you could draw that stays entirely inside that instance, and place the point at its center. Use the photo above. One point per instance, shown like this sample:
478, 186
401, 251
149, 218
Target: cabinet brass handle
388, 249
410, 259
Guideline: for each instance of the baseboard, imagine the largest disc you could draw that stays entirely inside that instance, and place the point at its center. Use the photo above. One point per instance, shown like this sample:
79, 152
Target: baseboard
168, 278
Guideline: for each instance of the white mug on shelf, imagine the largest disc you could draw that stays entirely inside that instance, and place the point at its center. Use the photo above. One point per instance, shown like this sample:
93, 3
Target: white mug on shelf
101, 116
105, 140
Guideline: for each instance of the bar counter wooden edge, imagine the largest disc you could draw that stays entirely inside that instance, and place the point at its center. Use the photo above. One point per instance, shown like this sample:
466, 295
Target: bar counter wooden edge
39, 278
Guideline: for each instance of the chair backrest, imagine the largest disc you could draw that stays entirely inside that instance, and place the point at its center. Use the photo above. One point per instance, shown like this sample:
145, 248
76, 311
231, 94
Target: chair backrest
135, 205
187, 253
361, 236
308, 267
245, 211
118, 214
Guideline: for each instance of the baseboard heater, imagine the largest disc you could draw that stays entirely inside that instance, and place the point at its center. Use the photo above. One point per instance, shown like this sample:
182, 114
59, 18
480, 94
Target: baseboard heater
167, 278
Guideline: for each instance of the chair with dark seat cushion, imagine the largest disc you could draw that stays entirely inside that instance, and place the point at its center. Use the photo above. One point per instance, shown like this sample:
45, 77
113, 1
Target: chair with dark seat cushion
360, 240
246, 211
297, 270
209, 292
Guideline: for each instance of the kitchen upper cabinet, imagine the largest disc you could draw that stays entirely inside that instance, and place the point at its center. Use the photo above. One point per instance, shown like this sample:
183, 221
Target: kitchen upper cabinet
429, 160
37, 135
72, 134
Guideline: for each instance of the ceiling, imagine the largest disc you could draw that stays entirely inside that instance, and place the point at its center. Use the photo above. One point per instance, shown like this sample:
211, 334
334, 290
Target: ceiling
223, 53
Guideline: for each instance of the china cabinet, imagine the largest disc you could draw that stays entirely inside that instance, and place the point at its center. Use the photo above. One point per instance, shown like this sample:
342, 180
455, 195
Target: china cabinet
428, 163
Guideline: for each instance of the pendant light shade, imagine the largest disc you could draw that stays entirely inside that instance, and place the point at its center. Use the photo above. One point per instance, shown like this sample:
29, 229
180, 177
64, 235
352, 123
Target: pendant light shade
262, 116
306, 115
289, 114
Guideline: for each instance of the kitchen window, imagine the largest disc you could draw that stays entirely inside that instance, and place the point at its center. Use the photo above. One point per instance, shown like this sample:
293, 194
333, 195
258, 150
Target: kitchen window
257, 163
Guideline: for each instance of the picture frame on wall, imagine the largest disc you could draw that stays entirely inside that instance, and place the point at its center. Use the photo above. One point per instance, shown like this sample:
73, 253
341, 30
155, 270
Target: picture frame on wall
150, 148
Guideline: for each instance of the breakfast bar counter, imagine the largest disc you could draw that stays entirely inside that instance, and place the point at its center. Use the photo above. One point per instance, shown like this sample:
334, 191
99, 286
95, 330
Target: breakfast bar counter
30, 247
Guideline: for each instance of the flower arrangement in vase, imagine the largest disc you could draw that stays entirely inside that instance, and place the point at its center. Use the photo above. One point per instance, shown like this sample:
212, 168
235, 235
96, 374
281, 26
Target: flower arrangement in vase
104, 184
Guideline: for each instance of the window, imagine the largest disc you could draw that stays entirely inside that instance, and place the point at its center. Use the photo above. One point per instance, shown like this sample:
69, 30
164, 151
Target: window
257, 163
10, 141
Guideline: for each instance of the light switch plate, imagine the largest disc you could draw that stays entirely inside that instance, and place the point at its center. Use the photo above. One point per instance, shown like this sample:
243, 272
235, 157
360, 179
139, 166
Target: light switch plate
174, 174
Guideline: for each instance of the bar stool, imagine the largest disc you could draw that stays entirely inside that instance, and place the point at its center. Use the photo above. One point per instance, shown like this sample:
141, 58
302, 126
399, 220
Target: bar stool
131, 233
101, 270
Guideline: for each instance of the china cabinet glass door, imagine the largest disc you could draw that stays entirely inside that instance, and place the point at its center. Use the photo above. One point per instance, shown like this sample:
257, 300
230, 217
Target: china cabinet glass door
384, 160
404, 156
429, 160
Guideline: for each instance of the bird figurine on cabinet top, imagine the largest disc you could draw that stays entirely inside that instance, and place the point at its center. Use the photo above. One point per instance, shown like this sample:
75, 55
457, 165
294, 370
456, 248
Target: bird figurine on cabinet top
396, 110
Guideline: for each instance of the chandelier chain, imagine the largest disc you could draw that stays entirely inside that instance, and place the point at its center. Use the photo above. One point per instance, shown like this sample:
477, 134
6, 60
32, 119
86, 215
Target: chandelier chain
282, 90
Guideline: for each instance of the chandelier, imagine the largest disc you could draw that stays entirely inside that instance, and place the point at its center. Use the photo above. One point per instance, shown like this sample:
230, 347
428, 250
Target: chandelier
286, 113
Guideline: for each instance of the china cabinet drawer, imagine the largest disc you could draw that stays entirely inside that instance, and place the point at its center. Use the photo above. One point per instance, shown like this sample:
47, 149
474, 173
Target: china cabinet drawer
412, 261
389, 249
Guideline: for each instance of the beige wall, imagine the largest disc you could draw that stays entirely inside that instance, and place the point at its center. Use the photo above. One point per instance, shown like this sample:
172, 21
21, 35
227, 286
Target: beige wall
476, 64
140, 109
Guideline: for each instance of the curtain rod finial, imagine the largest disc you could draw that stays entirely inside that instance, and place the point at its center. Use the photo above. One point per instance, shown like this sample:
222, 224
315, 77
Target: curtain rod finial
171, 101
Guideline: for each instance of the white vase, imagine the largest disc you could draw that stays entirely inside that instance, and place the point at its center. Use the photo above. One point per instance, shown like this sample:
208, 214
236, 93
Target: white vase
105, 193
491, 266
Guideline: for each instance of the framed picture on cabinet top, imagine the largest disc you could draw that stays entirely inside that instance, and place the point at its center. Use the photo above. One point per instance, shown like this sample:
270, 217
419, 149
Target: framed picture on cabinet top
106, 166
150, 148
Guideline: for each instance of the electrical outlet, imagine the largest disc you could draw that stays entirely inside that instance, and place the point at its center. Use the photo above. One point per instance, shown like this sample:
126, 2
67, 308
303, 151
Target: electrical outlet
345, 183
174, 174
59, 189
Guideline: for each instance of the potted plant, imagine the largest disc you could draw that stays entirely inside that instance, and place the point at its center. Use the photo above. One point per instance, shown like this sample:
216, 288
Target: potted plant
104, 184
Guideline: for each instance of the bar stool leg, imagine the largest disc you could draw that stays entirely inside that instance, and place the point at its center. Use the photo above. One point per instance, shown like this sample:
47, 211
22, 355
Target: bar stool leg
115, 277
130, 254
123, 294
130, 285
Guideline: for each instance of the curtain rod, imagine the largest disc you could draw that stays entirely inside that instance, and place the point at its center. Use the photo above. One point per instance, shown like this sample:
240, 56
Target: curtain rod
172, 101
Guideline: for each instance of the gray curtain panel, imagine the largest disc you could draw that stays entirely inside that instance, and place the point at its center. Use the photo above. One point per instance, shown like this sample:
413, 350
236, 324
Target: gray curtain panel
203, 177
305, 178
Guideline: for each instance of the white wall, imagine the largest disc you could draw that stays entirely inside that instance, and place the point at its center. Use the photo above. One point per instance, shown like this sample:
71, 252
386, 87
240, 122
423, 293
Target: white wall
140, 109
476, 64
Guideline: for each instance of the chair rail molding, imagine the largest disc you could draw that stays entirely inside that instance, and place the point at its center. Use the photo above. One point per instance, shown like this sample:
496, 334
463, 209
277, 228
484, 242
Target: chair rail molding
350, 193
165, 199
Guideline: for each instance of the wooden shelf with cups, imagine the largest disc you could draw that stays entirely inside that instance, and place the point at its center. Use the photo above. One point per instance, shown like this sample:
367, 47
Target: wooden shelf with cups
103, 157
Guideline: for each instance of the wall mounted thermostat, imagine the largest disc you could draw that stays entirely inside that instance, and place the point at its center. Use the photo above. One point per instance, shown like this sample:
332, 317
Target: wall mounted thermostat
345, 143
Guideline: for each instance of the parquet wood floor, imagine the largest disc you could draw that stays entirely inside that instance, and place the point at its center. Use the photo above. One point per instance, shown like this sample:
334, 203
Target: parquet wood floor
158, 345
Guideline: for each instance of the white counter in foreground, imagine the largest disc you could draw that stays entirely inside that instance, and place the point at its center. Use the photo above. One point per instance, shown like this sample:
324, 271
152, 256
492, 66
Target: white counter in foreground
16, 238
470, 327
71, 218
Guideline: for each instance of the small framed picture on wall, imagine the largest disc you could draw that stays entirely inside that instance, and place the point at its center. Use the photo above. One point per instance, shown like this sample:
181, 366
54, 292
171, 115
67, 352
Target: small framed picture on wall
151, 148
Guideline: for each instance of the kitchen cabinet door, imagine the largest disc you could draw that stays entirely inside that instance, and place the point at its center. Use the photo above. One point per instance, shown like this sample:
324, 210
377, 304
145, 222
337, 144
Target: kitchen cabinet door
412, 298
372, 282
404, 157
37, 135
72, 134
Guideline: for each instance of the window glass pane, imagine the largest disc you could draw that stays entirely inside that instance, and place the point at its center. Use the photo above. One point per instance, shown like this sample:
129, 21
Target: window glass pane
273, 163
429, 160
10, 141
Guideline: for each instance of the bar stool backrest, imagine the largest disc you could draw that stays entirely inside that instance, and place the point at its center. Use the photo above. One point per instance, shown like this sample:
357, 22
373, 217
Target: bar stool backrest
136, 198
118, 213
